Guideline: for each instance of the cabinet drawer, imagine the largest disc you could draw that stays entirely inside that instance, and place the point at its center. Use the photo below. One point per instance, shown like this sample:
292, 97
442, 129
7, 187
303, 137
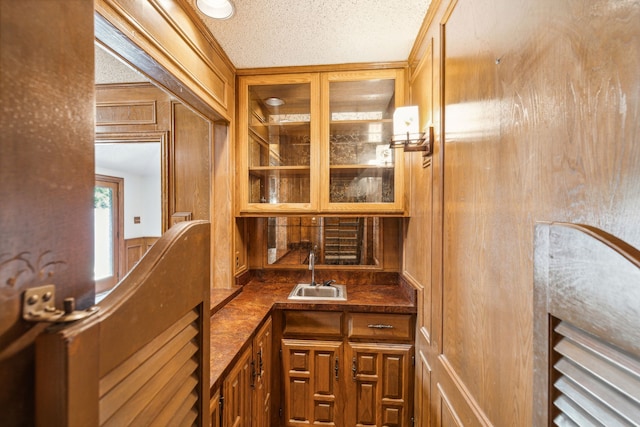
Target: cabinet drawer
380, 326
312, 324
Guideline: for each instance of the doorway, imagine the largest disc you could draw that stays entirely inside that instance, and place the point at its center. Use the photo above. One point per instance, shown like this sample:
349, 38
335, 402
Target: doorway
108, 207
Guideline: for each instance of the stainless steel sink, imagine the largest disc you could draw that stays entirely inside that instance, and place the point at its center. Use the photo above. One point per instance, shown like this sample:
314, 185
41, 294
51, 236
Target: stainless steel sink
305, 291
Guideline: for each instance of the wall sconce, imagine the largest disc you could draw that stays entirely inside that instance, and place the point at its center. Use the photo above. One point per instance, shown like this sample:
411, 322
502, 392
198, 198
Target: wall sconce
406, 134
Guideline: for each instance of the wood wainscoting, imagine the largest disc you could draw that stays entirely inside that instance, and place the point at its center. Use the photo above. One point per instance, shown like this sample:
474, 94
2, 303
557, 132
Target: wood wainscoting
135, 249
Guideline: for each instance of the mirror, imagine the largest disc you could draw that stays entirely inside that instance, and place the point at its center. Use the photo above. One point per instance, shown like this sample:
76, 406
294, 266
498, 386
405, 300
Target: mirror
339, 241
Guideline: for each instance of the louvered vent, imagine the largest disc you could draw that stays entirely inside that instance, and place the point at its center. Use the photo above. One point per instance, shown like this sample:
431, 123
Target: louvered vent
166, 369
594, 383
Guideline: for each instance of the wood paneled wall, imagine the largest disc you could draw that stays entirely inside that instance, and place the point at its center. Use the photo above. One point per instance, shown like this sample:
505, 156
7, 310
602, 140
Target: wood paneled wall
46, 176
540, 106
169, 43
199, 182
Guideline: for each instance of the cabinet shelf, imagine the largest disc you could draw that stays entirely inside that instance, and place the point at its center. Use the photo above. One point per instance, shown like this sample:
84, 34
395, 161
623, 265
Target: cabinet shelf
360, 170
326, 150
292, 171
359, 122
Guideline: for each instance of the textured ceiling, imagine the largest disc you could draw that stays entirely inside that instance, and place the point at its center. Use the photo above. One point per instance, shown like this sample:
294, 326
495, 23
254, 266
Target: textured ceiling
110, 69
280, 33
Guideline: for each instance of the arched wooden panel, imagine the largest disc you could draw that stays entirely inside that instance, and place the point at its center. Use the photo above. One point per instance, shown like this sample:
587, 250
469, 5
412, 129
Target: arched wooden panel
587, 328
144, 358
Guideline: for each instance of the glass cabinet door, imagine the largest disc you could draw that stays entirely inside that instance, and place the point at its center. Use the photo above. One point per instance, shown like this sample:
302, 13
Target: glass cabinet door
363, 170
281, 148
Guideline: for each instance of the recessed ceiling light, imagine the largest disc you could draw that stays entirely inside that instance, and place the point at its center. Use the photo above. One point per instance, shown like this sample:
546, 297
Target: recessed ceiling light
218, 9
274, 102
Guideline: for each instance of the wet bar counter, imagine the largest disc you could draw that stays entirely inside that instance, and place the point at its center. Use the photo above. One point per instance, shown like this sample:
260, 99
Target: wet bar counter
234, 322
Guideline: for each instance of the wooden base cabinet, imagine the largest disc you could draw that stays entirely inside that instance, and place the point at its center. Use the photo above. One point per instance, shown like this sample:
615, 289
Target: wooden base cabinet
312, 384
246, 390
215, 408
362, 377
237, 387
262, 347
378, 393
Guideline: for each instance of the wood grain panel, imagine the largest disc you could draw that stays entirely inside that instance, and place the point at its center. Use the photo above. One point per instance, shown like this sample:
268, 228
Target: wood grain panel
126, 402
313, 323
178, 332
237, 392
426, 195
447, 416
262, 357
376, 327
417, 229
540, 123
422, 391
191, 165
132, 107
141, 352
46, 175
177, 398
312, 394
135, 249
587, 360
173, 37
156, 376
126, 113
215, 409
229, 260
380, 388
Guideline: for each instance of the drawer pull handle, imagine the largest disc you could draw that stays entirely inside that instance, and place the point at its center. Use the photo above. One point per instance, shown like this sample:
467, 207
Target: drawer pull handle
380, 326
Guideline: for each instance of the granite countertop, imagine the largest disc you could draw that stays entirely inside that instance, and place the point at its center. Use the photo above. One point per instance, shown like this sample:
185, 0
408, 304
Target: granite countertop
234, 322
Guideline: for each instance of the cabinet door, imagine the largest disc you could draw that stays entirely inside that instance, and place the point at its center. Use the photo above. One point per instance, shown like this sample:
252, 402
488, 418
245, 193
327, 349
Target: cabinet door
237, 386
214, 409
278, 154
312, 383
262, 362
361, 173
378, 393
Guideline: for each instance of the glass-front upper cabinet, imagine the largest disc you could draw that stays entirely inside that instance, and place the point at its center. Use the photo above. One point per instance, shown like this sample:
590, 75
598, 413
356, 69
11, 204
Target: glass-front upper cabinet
361, 172
279, 143
319, 143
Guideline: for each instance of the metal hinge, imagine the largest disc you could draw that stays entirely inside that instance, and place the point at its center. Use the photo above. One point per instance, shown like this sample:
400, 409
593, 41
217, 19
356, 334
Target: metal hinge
413, 361
413, 421
280, 412
221, 402
38, 305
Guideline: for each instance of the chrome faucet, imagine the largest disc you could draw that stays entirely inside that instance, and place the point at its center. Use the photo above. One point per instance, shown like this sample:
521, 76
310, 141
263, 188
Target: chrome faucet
312, 265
